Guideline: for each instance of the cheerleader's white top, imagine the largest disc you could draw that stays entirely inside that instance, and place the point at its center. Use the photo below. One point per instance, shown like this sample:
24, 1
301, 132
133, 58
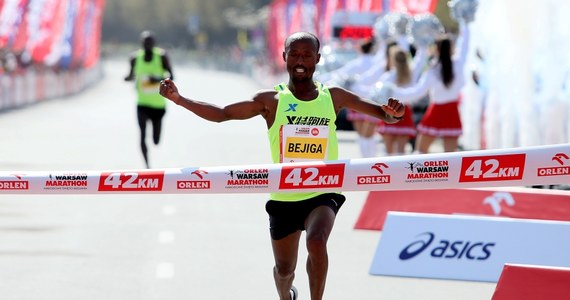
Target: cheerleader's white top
354, 67
431, 79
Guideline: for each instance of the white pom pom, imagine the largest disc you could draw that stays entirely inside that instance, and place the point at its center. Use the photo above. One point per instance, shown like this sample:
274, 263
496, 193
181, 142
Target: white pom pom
425, 29
463, 9
382, 92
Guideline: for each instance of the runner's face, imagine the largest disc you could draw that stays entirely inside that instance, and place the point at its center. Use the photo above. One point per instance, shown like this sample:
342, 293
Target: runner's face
148, 43
301, 59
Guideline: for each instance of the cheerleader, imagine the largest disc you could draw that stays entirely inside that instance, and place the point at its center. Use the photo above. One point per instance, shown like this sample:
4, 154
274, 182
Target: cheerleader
444, 80
397, 135
367, 126
364, 125
380, 65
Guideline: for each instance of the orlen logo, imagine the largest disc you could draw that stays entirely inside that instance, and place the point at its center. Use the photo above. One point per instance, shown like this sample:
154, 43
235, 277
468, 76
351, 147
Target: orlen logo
492, 168
497, 198
563, 169
197, 184
14, 184
131, 181
380, 178
446, 249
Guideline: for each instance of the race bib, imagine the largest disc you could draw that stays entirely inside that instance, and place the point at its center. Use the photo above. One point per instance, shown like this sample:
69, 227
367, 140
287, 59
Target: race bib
148, 87
304, 143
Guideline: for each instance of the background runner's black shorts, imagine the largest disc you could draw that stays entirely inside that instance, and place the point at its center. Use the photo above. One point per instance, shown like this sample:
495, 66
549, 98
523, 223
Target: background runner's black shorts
286, 217
155, 114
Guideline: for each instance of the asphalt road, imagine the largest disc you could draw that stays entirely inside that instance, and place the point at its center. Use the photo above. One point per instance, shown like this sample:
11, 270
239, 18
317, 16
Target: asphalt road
142, 247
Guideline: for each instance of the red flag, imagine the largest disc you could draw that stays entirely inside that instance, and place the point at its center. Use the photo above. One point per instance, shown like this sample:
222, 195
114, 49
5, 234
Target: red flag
56, 46
331, 7
12, 14
94, 37
317, 17
20, 38
295, 21
276, 32
45, 21
371, 5
79, 34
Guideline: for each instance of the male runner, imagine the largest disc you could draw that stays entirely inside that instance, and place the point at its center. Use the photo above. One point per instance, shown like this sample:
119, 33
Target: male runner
148, 66
289, 109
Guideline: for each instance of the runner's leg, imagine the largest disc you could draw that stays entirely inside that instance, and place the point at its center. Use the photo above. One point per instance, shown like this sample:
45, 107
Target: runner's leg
285, 253
157, 126
142, 120
319, 225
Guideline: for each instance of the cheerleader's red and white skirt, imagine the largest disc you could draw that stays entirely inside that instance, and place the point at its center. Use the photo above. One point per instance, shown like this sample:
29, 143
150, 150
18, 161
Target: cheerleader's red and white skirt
352, 115
441, 120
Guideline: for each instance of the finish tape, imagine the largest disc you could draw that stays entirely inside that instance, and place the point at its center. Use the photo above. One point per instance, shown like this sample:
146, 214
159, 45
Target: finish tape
538, 165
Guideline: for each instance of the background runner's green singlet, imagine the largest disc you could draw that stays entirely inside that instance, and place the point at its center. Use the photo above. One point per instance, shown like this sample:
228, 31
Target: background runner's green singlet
148, 92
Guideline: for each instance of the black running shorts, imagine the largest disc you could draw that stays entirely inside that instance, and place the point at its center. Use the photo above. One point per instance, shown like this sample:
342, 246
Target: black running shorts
286, 217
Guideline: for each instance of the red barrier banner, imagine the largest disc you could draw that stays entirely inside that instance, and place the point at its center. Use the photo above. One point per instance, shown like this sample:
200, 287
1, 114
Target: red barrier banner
533, 282
524, 203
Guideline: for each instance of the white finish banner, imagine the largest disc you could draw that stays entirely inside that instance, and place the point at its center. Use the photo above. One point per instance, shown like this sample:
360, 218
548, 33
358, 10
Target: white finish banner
539, 165
467, 247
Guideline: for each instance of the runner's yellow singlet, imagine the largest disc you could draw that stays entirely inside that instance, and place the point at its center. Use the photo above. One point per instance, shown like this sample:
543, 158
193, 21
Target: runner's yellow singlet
303, 131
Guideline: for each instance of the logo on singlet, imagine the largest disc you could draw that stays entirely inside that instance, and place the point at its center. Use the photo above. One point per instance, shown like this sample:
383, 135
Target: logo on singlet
292, 107
306, 120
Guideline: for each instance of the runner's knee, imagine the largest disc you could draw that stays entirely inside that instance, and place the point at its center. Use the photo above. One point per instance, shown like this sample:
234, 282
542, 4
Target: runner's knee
317, 242
284, 270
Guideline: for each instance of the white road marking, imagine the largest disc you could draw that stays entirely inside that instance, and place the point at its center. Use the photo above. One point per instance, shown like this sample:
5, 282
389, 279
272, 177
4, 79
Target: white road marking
166, 237
164, 270
168, 210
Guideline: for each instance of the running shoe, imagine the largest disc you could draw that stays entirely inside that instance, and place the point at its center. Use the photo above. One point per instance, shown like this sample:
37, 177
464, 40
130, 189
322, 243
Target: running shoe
293, 293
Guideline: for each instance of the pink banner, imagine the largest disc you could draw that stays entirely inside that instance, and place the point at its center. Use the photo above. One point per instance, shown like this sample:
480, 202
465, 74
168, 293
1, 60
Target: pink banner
359, 5
523, 203
413, 7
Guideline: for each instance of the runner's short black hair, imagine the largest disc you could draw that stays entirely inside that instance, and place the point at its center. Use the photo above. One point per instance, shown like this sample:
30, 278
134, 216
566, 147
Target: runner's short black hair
302, 35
